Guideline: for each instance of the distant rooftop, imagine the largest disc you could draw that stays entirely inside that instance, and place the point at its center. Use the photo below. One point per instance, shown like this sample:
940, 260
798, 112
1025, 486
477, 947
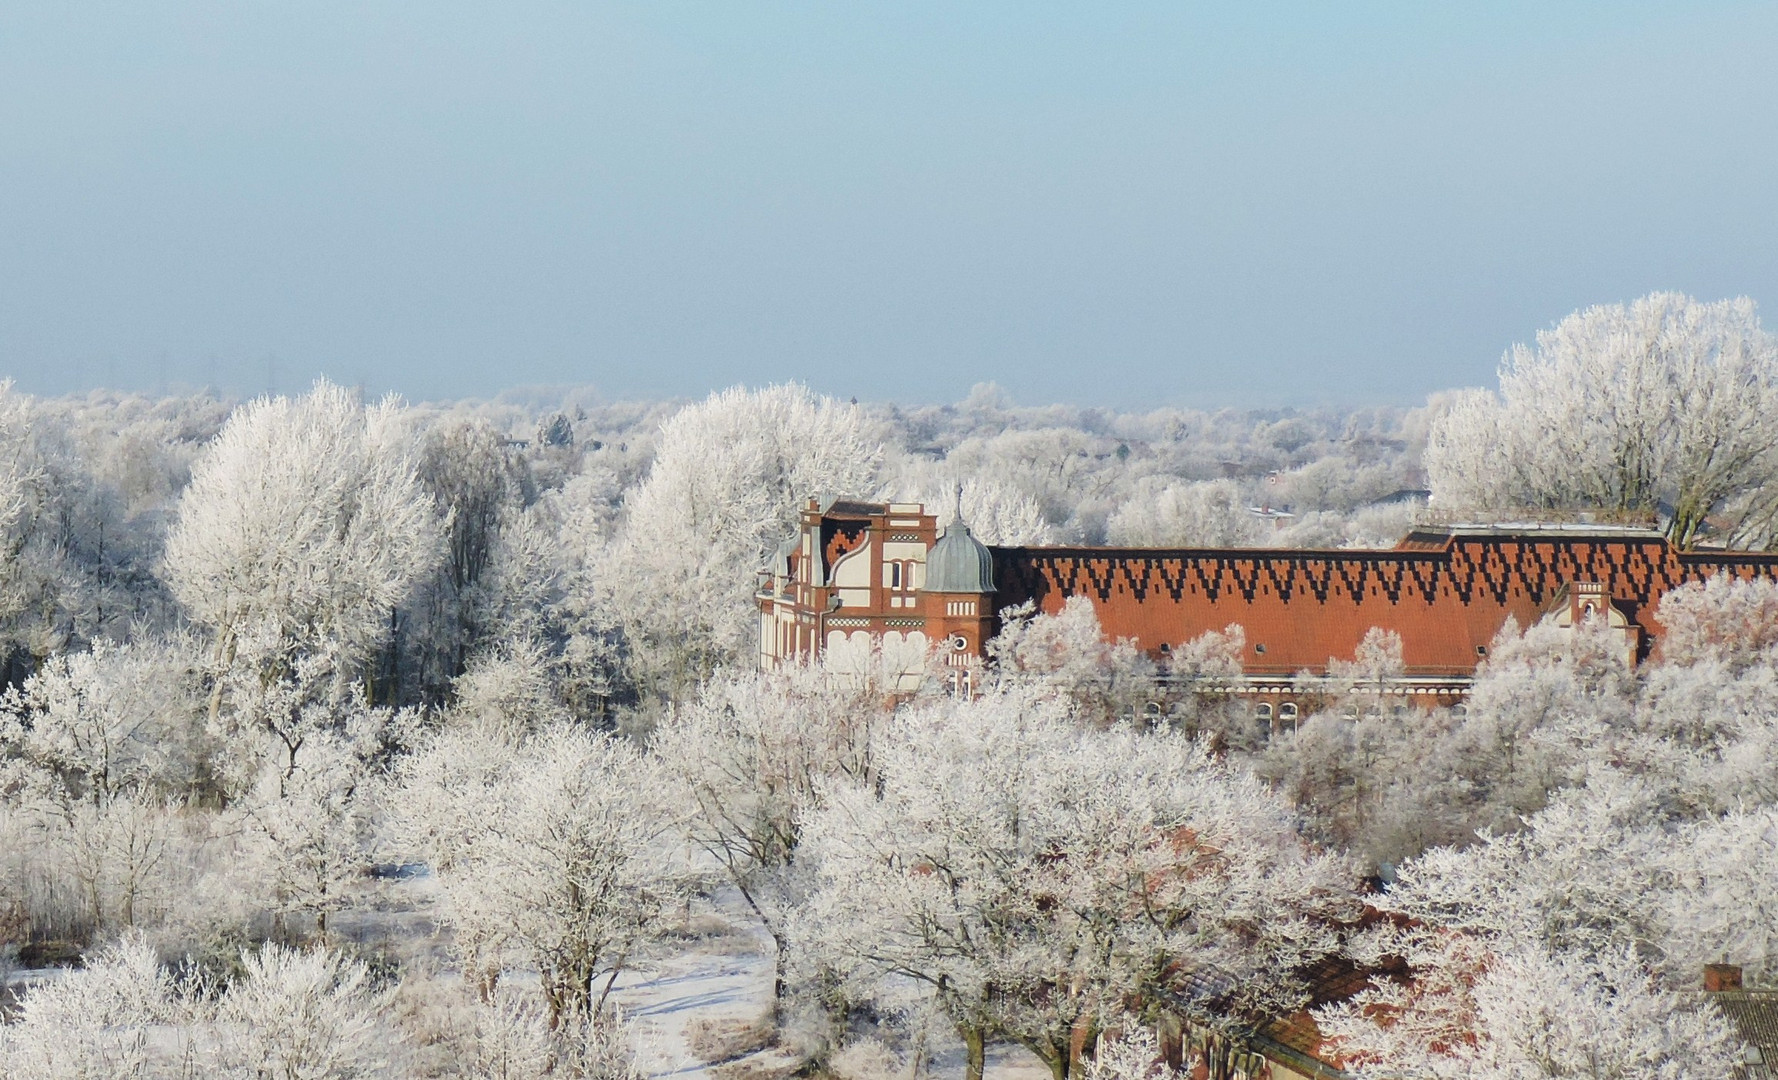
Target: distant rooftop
1542, 528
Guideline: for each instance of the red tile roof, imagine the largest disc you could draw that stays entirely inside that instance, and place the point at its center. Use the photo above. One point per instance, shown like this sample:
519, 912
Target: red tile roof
1447, 594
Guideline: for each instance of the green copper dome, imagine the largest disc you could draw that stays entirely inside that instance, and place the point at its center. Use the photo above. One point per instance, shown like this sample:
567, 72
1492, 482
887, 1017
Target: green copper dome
959, 563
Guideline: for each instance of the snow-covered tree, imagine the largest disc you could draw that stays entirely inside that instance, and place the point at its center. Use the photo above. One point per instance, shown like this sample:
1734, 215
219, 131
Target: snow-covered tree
308, 822
729, 478
288, 1015
1663, 401
1721, 898
1134, 1055
111, 718
94, 1024
1030, 875
73, 565
1066, 654
747, 755
513, 1039
1207, 514
558, 850
303, 529
1723, 618
302, 1016
1375, 662
476, 480
544, 593
507, 692
1570, 949
998, 514
1468, 1013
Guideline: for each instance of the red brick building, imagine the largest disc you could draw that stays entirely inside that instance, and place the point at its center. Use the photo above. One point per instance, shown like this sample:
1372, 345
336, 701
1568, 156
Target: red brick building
881, 582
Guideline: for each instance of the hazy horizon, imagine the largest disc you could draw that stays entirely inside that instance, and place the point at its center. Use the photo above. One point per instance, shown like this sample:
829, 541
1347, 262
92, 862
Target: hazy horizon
1123, 207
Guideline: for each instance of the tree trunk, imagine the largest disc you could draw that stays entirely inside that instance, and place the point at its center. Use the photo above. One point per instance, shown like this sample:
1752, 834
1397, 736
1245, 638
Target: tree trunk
780, 980
227, 655
975, 1043
1056, 1057
599, 1005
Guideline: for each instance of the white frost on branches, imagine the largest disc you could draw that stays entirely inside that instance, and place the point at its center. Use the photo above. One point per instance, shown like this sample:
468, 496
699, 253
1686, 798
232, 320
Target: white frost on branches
1663, 401
556, 851
302, 529
1028, 875
729, 478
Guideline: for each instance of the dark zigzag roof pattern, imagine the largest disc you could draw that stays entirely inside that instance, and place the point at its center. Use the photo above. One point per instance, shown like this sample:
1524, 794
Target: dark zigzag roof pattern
1637, 573
1334, 596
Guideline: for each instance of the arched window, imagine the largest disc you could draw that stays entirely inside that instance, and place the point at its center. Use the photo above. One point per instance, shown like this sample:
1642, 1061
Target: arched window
1263, 711
1287, 712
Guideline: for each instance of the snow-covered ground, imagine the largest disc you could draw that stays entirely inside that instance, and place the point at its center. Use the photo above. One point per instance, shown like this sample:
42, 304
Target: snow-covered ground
727, 976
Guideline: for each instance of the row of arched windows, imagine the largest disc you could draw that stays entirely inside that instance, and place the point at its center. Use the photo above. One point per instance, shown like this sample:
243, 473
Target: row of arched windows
1287, 712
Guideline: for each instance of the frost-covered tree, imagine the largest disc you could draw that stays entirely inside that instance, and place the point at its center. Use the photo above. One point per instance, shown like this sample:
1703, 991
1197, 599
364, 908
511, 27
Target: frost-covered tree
1723, 618
746, 756
98, 1023
1031, 875
1072, 474
287, 1016
109, 719
73, 565
514, 1040
302, 1016
1135, 1054
1471, 1014
1207, 514
303, 529
545, 594
1666, 401
729, 477
1066, 654
476, 481
307, 821
998, 514
1721, 896
1375, 662
1204, 671
507, 692
1543, 704
1570, 949
99, 749
559, 850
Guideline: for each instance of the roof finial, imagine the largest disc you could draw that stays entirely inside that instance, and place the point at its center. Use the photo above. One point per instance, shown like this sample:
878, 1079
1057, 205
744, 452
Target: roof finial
957, 503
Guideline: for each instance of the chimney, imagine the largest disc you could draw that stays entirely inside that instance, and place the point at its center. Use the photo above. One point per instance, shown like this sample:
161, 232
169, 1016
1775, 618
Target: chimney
1720, 977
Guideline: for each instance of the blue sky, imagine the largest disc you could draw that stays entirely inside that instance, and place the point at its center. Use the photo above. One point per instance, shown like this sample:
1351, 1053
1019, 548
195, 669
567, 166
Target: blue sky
1114, 204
